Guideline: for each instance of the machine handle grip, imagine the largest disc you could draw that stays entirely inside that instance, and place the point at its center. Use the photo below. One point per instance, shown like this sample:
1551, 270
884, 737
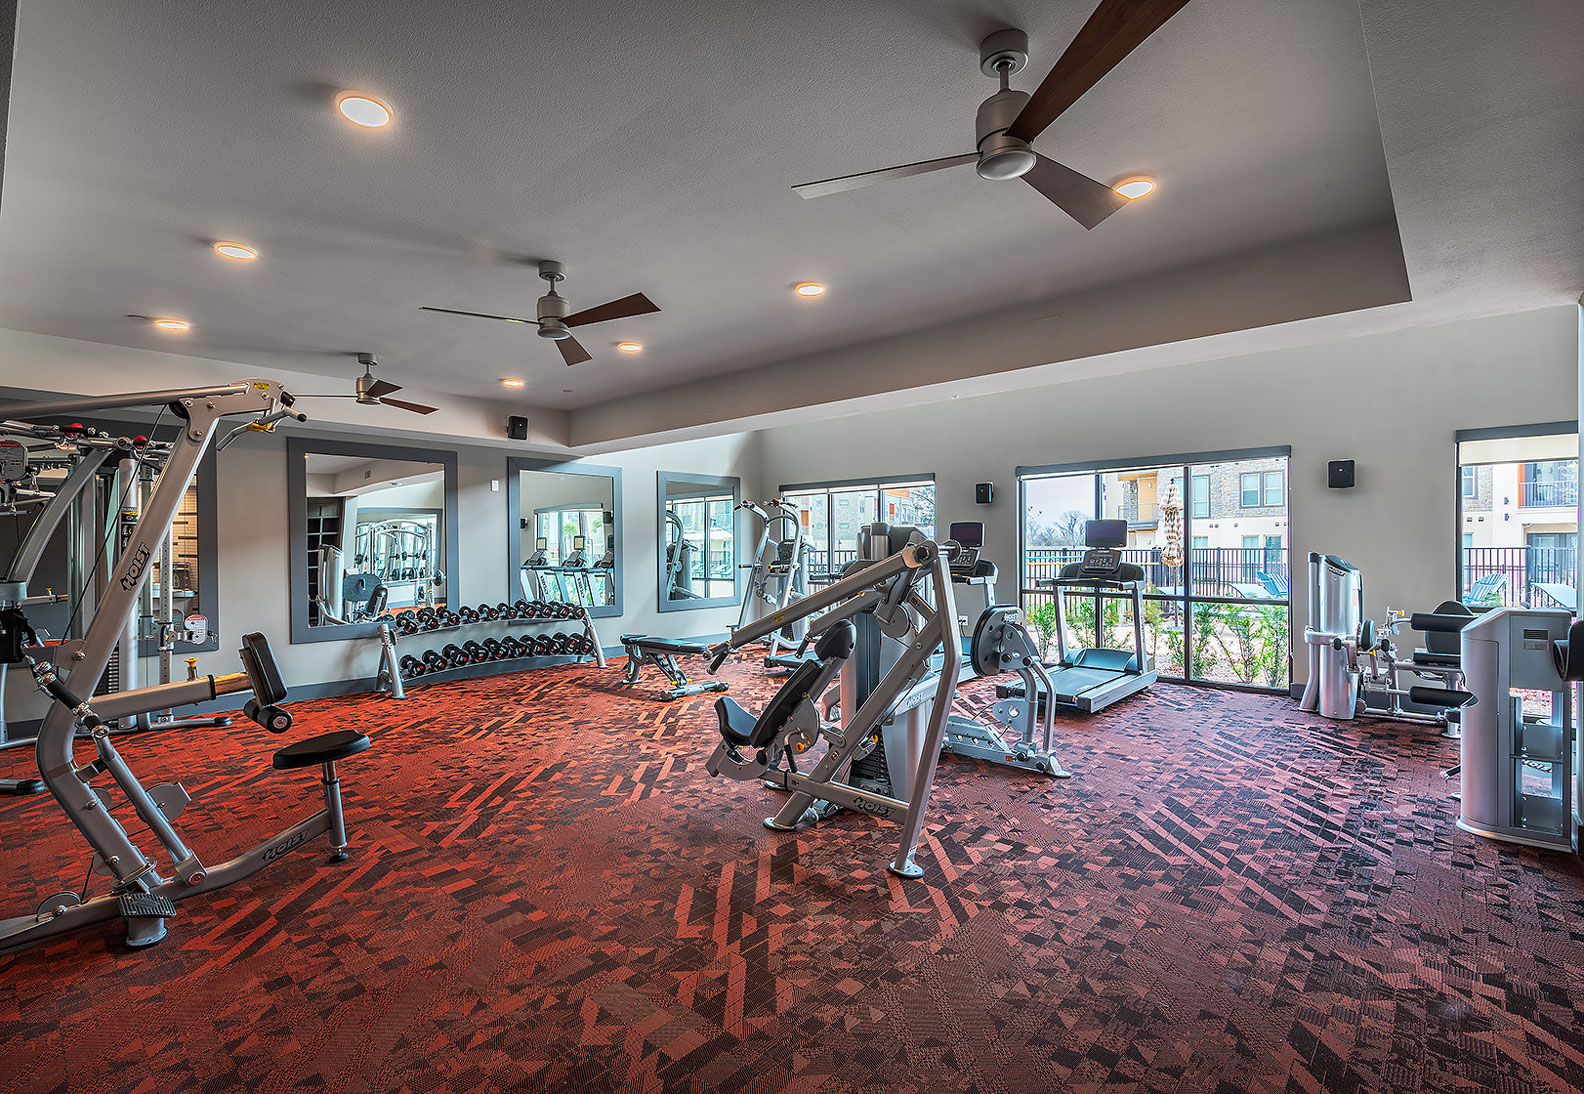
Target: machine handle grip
1441, 624
1441, 697
718, 655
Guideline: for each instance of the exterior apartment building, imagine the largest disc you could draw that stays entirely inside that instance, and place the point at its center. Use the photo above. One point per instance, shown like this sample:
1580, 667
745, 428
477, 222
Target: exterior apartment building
1239, 505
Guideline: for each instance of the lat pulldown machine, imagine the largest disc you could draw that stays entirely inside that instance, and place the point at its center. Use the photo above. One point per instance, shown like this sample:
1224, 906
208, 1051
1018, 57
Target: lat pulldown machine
140, 894
755, 748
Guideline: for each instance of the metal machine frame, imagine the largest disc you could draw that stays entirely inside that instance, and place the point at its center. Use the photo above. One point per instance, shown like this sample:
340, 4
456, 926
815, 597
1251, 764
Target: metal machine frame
769, 584
889, 589
140, 893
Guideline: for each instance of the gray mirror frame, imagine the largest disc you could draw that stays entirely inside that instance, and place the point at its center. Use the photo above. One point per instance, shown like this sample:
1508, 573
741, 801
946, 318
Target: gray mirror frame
297, 526
517, 464
664, 479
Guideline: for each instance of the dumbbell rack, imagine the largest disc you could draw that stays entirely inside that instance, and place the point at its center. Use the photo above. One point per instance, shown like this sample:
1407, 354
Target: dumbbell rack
507, 626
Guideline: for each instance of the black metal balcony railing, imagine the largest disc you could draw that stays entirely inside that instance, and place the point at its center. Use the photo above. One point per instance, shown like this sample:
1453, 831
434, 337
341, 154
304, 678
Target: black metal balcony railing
1524, 571
1238, 572
1547, 495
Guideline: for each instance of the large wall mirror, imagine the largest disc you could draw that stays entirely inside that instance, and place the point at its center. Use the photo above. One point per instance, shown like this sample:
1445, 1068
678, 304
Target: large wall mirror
373, 531
697, 541
563, 541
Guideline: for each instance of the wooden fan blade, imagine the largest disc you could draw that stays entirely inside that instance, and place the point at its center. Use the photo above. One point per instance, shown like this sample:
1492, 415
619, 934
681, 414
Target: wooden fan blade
1116, 29
416, 408
852, 182
1079, 196
482, 315
383, 387
572, 352
636, 304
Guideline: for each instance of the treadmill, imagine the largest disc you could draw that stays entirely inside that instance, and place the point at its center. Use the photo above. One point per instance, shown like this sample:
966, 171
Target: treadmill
1089, 679
969, 569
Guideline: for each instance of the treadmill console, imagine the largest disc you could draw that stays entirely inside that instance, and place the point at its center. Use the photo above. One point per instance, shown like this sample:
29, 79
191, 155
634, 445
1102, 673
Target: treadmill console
1101, 562
969, 536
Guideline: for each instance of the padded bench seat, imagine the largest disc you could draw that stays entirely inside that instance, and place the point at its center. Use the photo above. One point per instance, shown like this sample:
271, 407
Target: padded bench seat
325, 748
666, 645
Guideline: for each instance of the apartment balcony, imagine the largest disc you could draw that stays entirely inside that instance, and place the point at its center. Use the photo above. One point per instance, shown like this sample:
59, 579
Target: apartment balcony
1147, 517
1548, 495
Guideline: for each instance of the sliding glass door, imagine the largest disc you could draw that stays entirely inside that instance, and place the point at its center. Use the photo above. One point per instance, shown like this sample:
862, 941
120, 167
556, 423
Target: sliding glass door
1211, 536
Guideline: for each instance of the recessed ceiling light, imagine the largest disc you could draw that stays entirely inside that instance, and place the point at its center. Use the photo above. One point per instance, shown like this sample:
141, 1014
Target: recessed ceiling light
512, 383
167, 323
364, 110
810, 288
1135, 187
629, 347
235, 250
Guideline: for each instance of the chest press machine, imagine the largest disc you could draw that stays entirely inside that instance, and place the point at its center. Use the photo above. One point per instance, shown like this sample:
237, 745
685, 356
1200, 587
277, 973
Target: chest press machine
766, 748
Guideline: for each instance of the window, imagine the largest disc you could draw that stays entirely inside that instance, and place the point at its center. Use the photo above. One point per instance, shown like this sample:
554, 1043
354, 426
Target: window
1222, 613
707, 523
1517, 517
559, 527
833, 515
1250, 490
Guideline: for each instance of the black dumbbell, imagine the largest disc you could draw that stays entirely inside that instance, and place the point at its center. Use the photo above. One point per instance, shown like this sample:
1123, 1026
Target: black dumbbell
467, 614
475, 652
449, 618
428, 619
454, 655
585, 645
543, 646
433, 661
519, 610
509, 648
492, 649
533, 610
411, 666
558, 642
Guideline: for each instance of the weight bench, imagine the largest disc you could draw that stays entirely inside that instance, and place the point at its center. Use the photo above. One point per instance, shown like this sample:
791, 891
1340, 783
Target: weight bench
662, 654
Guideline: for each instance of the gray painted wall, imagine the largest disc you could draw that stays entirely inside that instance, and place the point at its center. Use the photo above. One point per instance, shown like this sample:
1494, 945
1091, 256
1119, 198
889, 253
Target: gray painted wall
254, 554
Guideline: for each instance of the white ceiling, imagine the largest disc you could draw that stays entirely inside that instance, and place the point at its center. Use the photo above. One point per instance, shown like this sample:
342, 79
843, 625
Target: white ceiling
651, 147
647, 150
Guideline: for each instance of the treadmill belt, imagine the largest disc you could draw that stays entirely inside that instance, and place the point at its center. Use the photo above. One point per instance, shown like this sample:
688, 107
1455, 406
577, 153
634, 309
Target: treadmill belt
1072, 682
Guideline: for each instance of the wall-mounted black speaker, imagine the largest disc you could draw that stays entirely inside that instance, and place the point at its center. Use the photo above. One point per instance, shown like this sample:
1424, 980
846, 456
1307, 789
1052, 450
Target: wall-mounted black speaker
517, 428
983, 492
1339, 474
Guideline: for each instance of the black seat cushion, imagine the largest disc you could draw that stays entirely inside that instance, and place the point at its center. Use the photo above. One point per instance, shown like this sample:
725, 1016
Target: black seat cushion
1437, 659
836, 642
643, 642
321, 749
736, 724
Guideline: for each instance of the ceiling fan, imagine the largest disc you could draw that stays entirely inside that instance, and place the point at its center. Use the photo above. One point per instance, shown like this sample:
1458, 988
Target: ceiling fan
1009, 120
372, 392
554, 319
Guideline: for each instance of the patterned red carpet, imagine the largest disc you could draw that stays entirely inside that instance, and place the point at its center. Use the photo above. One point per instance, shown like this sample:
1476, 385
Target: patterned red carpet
548, 893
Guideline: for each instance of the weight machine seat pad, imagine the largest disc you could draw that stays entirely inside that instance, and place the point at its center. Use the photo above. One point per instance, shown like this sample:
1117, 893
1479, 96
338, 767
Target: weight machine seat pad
321, 749
737, 725
644, 643
1437, 660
